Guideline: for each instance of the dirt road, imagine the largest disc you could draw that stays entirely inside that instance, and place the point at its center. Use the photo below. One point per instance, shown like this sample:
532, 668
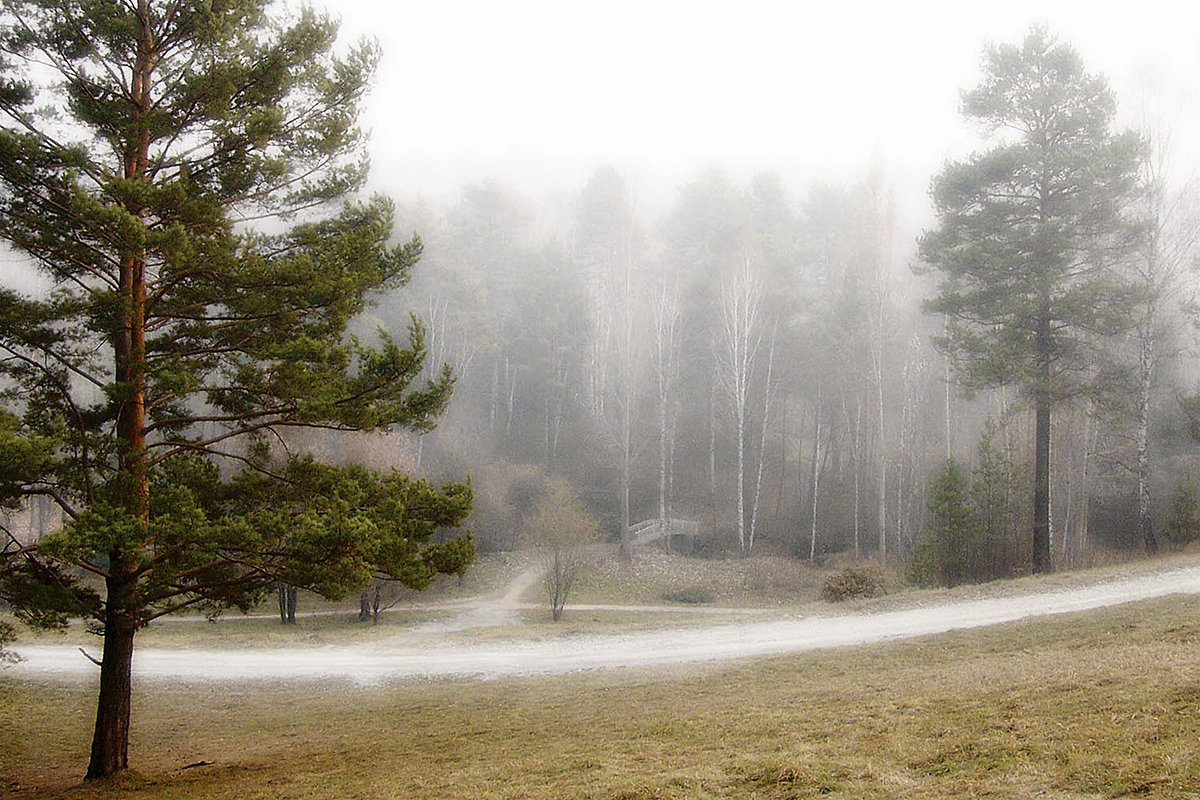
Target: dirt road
403, 659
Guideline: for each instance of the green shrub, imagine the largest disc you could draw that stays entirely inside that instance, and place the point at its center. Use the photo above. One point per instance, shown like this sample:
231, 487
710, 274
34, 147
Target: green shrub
861, 579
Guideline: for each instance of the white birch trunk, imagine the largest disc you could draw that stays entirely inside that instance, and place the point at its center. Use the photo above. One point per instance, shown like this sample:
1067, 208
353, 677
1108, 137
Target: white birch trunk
741, 295
816, 478
762, 439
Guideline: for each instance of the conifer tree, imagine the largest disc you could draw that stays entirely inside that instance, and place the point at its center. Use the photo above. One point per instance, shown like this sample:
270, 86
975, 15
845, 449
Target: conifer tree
941, 556
993, 487
183, 175
1183, 513
1027, 235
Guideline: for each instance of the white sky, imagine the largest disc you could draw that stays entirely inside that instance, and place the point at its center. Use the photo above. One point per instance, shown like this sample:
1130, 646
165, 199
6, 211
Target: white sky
537, 92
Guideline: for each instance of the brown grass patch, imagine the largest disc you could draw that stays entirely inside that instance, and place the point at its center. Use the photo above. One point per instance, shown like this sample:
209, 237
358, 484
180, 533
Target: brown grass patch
1103, 704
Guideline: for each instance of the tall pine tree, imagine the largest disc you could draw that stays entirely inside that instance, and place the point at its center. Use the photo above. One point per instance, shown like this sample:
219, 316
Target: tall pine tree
1026, 237
182, 174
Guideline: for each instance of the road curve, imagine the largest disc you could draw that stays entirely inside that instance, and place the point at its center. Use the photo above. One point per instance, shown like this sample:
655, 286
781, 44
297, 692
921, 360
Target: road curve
387, 661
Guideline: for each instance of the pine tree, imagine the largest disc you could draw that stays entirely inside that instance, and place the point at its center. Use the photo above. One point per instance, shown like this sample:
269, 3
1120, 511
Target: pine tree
183, 174
1026, 235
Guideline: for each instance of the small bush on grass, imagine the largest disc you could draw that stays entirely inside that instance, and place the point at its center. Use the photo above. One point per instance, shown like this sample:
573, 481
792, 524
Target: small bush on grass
862, 579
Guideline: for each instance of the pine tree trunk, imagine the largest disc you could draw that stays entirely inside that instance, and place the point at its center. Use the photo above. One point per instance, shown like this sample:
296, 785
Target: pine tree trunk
1042, 561
286, 596
376, 601
281, 601
110, 741
1041, 489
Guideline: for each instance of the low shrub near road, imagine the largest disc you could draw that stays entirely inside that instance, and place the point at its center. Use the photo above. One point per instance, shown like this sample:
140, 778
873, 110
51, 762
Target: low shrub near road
861, 579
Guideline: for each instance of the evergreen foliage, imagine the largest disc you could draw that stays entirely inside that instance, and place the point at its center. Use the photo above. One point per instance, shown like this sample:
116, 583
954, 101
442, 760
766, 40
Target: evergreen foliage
1027, 235
940, 558
971, 535
183, 176
994, 486
1183, 513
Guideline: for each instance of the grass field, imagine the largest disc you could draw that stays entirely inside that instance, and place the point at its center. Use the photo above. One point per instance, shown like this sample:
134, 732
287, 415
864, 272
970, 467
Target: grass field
1098, 705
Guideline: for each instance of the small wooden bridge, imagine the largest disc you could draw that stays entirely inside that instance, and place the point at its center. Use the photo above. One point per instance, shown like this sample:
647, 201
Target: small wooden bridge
677, 535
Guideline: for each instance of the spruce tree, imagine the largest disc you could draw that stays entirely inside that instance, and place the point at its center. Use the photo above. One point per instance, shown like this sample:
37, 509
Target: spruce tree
1027, 235
993, 489
941, 556
1183, 513
184, 176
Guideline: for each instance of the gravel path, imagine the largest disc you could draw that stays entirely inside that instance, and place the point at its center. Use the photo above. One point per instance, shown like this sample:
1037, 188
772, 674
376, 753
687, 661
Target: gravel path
385, 661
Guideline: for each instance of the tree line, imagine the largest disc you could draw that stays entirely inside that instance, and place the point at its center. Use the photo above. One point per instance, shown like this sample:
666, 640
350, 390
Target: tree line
790, 370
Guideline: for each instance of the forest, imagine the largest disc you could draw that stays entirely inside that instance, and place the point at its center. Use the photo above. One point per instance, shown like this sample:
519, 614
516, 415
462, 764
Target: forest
788, 367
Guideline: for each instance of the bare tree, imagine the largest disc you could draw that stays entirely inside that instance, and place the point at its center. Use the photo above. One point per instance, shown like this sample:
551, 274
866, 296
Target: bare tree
606, 248
1170, 228
816, 475
562, 532
879, 224
664, 318
738, 340
768, 391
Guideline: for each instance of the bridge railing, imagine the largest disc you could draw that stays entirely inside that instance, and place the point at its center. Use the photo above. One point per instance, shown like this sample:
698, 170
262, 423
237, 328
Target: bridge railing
651, 530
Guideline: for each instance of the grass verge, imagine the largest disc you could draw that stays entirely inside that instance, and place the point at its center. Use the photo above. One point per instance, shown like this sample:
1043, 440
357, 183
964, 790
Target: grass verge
1096, 705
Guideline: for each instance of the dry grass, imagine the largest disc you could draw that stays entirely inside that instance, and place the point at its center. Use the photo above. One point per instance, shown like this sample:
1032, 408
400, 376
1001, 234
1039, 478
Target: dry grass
768, 581
1099, 705
654, 577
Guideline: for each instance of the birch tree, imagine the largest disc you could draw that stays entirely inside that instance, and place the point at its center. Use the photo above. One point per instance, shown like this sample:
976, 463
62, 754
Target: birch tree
1166, 249
665, 318
739, 338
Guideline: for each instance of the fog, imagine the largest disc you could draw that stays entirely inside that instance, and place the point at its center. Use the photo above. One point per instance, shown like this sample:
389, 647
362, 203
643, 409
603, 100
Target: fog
561, 163
492, 123
536, 93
